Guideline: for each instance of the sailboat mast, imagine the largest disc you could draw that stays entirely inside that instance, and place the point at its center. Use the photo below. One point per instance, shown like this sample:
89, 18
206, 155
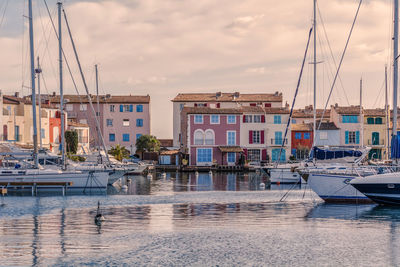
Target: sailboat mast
361, 116
387, 115
32, 55
315, 71
98, 103
395, 70
59, 4
38, 71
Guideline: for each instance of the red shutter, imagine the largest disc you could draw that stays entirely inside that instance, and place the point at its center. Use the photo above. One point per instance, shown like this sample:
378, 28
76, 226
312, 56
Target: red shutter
267, 105
253, 104
262, 137
264, 154
218, 105
244, 120
195, 104
245, 152
250, 137
205, 104
262, 118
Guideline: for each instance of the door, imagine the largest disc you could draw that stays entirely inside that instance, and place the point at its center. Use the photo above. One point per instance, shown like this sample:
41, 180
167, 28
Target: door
5, 133
375, 138
16, 133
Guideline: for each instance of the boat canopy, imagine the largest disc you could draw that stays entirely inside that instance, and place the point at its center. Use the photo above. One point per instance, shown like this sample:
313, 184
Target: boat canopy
395, 147
324, 154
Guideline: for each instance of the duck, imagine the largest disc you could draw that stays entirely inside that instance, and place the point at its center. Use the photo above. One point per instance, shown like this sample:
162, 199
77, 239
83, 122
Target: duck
99, 218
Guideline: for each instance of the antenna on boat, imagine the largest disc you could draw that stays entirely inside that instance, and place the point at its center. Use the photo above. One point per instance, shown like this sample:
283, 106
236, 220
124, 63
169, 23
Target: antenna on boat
59, 5
32, 58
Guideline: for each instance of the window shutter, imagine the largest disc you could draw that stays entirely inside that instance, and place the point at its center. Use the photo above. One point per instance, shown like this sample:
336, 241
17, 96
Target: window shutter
130, 108
357, 137
195, 104
262, 137
218, 105
263, 118
245, 152
121, 108
346, 137
267, 105
250, 137
244, 118
205, 104
264, 154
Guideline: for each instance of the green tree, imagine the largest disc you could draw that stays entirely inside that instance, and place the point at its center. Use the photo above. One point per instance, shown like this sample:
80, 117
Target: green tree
147, 143
119, 152
71, 140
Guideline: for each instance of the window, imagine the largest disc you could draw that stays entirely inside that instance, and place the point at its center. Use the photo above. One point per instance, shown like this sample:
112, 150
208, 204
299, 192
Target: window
370, 121
209, 137
214, 119
125, 137
323, 135
204, 155
69, 107
267, 105
138, 136
297, 135
306, 135
111, 137
97, 113
231, 157
139, 108
253, 155
378, 120
83, 121
125, 108
231, 138
256, 137
278, 138
125, 122
275, 154
198, 119
112, 108
200, 105
352, 137
277, 119
248, 118
139, 122
257, 118
42, 133
349, 119
198, 137
109, 122
82, 107
253, 104
181, 106
294, 121
231, 119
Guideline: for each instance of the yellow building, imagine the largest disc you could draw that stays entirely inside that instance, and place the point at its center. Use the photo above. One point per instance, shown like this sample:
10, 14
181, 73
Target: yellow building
375, 132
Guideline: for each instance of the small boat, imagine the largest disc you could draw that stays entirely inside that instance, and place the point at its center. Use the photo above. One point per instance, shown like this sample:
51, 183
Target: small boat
284, 174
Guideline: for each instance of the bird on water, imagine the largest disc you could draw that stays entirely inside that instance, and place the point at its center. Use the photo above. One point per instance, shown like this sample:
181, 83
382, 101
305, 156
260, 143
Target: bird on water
99, 218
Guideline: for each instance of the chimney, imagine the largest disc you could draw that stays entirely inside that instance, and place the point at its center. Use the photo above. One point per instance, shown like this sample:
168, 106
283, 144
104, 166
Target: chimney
218, 94
108, 96
54, 93
276, 93
16, 94
336, 105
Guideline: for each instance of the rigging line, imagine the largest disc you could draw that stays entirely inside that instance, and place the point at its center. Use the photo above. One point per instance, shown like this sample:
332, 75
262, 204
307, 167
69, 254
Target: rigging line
340, 64
330, 49
380, 93
294, 97
2, 18
45, 84
85, 86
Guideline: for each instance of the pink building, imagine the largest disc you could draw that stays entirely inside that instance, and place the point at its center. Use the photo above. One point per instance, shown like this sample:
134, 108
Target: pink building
212, 135
122, 119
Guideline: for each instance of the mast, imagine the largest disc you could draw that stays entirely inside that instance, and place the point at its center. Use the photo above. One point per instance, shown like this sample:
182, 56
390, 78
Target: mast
387, 115
59, 4
32, 55
395, 70
38, 71
98, 103
315, 70
361, 116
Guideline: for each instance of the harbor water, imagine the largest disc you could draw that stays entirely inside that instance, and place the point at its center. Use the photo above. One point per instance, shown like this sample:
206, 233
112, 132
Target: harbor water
178, 219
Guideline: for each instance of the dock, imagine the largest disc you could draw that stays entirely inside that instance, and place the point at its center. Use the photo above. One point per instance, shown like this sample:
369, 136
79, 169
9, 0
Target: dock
33, 186
220, 168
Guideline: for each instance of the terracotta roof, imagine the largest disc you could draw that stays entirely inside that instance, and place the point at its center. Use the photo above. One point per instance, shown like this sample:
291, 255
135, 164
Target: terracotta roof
9, 99
378, 112
169, 152
228, 97
227, 149
207, 110
325, 126
309, 113
348, 110
302, 127
103, 98
166, 142
258, 109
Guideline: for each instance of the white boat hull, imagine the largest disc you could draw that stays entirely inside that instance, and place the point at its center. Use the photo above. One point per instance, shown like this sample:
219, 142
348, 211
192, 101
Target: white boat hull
335, 188
284, 176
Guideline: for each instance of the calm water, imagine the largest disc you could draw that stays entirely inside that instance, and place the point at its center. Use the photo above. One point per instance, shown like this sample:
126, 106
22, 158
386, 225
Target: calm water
222, 220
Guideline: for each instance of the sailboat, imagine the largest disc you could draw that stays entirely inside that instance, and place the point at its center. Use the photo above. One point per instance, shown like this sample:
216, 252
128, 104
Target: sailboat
39, 176
385, 188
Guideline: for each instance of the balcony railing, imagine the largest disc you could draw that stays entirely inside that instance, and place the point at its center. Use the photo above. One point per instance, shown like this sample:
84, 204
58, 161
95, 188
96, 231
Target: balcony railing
83, 139
278, 141
376, 142
71, 114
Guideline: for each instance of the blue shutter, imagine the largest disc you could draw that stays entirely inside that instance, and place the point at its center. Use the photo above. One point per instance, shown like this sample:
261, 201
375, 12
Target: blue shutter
283, 155
346, 137
121, 108
131, 108
357, 137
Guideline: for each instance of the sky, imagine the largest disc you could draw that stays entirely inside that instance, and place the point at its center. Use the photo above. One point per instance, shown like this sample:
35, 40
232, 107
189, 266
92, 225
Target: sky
166, 47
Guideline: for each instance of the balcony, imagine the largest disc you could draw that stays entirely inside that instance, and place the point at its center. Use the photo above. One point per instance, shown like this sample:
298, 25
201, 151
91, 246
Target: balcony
376, 142
278, 141
71, 115
83, 139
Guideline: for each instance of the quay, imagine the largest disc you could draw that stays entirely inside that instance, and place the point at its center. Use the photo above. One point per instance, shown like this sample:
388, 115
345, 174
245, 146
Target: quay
221, 168
33, 186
